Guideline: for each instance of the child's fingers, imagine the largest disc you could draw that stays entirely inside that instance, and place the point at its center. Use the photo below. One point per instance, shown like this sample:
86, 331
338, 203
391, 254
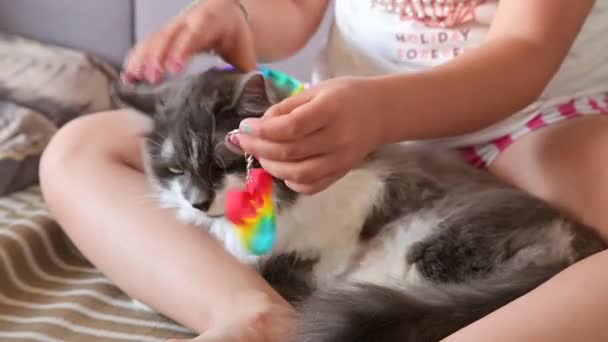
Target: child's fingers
134, 66
289, 104
152, 73
309, 171
316, 187
138, 66
301, 122
296, 150
188, 43
126, 78
126, 75
163, 43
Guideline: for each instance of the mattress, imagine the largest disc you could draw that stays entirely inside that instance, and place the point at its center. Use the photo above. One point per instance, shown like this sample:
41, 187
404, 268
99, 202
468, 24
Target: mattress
49, 292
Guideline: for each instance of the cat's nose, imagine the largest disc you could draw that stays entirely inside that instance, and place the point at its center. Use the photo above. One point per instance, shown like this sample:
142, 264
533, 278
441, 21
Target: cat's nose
202, 206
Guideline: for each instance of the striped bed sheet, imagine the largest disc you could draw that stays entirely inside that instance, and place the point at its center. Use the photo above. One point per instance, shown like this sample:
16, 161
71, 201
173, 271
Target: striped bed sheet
49, 293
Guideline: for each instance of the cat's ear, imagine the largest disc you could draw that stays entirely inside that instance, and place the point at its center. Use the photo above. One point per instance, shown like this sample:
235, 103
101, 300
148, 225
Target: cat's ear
254, 95
142, 97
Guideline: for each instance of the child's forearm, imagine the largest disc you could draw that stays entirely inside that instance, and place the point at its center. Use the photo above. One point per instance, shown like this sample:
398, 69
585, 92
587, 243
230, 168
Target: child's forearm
471, 92
280, 27
527, 43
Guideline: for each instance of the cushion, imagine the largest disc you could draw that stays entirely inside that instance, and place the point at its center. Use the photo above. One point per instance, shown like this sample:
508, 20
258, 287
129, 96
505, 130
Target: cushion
59, 82
23, 135
42, 87
101, 27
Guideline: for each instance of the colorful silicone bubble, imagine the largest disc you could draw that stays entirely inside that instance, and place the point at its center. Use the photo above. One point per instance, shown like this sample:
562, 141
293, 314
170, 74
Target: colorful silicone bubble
278, 78
282, 80
252, 212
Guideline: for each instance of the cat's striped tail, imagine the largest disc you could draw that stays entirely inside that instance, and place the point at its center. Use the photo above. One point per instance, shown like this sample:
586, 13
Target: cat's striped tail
372, 313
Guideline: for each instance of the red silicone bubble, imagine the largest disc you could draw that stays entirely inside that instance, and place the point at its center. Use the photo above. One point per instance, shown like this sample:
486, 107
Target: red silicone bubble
241, 204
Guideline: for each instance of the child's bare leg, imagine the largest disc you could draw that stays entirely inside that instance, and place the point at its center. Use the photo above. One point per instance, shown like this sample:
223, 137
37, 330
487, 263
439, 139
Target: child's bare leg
566, 165
91, 178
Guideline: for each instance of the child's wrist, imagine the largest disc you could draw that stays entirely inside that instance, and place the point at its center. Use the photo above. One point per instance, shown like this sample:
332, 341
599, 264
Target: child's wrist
381, 96
406, 106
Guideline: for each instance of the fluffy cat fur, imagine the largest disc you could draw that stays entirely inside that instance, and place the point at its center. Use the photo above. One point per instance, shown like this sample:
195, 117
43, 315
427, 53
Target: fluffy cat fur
410, 246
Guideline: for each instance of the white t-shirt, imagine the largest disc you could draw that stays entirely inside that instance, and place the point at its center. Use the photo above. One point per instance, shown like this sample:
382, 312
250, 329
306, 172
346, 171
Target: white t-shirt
376, 37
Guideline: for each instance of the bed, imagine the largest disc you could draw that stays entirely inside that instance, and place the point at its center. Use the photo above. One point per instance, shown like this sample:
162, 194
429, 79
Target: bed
49, 292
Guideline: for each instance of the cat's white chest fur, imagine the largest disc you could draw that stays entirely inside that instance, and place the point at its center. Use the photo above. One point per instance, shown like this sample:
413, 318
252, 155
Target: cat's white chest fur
325, 225
226, 233
328, 224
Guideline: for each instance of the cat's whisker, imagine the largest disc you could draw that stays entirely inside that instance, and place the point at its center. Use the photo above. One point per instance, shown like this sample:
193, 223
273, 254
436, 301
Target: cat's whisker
148, 200
155, 143
157, 205
221, 163
158, 135
148, 196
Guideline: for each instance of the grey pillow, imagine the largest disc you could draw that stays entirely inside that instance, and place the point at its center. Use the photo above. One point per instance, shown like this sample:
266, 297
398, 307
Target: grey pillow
58, 82
41, 88
23, 135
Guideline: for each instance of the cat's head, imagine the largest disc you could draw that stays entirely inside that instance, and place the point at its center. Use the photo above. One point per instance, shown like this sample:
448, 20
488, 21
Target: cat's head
185, 154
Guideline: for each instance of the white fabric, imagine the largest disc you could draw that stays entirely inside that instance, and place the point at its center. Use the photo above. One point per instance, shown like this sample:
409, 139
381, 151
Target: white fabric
368, 40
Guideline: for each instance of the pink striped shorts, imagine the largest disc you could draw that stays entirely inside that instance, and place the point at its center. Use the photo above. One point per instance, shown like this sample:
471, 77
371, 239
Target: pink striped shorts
482, 155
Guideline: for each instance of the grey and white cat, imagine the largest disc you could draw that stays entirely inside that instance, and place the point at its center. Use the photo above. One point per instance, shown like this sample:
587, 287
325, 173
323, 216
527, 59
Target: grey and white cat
410, 246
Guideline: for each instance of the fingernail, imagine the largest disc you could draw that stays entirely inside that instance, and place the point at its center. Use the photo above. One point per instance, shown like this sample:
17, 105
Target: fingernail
148, 73
175, 66
125, 79
157, 65
140, 69
233, 143
159, 72
155, 76
246, 127
234, 140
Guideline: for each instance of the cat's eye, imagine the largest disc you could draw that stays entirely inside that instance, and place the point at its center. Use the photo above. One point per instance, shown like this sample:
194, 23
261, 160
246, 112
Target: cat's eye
175, 171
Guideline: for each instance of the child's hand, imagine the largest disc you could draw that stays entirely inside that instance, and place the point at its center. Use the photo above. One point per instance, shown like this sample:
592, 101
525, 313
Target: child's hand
253, 318
314, 138
213, 25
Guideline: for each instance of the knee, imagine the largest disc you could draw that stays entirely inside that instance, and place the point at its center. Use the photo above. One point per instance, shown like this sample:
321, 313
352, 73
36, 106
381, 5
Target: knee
579, 181
62, 146
79, 141
65, 148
